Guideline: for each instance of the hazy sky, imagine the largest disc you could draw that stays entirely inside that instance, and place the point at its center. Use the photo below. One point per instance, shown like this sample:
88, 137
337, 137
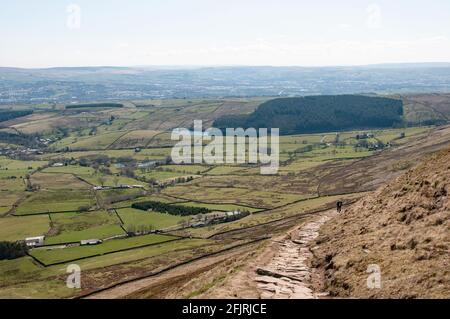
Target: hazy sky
222, 32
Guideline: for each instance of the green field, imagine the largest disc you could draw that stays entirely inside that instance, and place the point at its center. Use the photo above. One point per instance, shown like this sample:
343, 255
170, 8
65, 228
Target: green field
19, 228
138, 218
220, 207
55, 201
101, 141
162, 175
74, 227
53, 256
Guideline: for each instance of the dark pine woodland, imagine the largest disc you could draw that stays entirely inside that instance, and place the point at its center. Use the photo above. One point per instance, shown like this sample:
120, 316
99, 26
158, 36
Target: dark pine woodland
170, 209
6, 115
315, 114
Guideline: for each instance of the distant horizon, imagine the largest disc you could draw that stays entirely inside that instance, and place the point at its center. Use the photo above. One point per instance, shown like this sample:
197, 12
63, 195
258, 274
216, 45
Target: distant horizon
200, 66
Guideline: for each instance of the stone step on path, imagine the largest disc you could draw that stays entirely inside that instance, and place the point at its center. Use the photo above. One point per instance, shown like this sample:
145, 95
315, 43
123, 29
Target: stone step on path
288, 274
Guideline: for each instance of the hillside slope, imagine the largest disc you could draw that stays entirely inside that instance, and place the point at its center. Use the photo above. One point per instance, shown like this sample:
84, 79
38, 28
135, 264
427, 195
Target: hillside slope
404, 228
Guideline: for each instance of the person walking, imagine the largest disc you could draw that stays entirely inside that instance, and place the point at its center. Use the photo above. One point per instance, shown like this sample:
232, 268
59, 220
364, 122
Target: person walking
339, 205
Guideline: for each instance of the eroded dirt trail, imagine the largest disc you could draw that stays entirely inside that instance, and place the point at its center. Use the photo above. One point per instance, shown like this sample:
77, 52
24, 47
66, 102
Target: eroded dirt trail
282, 270
288, 274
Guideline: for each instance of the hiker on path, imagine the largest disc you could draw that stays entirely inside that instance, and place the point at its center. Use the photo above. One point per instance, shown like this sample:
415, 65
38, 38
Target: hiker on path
339, 205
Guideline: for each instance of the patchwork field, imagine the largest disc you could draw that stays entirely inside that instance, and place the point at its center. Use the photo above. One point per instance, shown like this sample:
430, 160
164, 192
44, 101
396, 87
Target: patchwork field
19, 228
138, 219
74, 227
98, 163
54, 256
56, 201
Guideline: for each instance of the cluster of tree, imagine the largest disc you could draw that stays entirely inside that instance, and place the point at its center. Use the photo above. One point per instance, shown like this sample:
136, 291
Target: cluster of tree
10, 250
181, 180
6, 115
126, 160
313, 114
93, 105
133, 230
31, 141
95, 160
117, 198
170, 209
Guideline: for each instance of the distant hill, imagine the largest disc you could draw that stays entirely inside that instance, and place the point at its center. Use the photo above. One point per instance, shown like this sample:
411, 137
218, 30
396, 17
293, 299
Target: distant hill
94, 106
314, 114
85, 84
403, 228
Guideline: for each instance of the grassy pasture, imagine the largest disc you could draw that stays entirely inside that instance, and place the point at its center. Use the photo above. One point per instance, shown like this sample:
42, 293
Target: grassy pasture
73, 227
162, 175
89, 175
55, 201
154, 197
220, 207
332, 153
7, 199
154, 220
48, 257
97, 232
16, 168
238, 196
101, 141
18, 228
58, 181
226, 170
70, 169
23, 278
132, 139
186, 169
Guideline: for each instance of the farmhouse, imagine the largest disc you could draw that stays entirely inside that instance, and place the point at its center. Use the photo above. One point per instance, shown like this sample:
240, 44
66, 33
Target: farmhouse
124, 186
219, 217
364, 136
147, 164
35, 241
58, 165
91, 242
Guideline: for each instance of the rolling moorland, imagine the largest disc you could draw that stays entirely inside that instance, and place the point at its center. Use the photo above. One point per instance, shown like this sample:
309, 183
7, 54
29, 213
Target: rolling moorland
82, 172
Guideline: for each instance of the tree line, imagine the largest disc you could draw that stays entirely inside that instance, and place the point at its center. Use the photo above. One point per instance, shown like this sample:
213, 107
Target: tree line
31, 141
6, 115
14, 250
94, 105
170, 209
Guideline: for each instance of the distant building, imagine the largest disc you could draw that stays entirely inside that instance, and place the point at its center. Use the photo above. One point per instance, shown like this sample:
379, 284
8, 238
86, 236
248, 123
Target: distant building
35, 241
90, 242
146, 164
58, 165
364, 136
219, 217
